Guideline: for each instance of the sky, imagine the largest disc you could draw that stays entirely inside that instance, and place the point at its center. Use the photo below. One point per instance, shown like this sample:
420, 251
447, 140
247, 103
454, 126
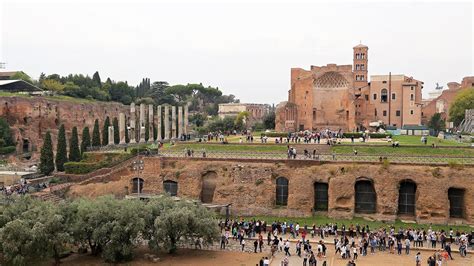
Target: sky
245, 48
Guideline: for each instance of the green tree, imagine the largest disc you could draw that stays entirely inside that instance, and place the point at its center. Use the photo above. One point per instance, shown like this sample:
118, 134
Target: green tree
47, 157
464, 100
86, 139
52, 85
96, 79
197, 119
115, 124
61, 149
437, 123
74, 152
241, 120
96, 134
105, 132
6, 138
183, 220
269, 120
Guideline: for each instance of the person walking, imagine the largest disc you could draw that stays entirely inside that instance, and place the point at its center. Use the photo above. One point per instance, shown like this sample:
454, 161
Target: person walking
255, 244
407, 246
243, 244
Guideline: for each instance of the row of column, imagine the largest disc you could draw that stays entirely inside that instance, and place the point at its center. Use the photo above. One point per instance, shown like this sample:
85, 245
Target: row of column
172, 120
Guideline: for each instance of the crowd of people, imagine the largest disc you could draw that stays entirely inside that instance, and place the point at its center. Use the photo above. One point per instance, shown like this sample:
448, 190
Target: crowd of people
350, 242
20, 189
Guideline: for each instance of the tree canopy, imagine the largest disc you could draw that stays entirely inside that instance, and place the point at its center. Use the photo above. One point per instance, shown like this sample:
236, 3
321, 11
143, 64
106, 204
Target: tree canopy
464, 100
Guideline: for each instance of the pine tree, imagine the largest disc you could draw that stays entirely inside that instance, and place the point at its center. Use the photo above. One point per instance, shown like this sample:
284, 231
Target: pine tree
74, 153
105, 132
61, 149
96, 134
115, 124
86, 140
47, 157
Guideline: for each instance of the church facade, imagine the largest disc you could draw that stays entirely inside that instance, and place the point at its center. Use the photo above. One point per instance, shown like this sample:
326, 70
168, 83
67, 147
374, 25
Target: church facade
342, 97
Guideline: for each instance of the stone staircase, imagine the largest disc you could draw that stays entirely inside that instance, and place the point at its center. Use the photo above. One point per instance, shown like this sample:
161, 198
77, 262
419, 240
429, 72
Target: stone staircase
48, 196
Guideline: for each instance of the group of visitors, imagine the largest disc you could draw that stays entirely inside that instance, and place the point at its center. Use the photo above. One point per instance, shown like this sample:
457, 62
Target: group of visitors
20, 189
350, 242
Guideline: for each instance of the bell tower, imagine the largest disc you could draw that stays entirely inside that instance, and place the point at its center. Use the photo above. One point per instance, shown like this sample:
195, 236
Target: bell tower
361, 66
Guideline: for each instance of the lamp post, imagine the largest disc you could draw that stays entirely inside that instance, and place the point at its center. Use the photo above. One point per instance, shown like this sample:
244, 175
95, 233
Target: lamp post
138, 165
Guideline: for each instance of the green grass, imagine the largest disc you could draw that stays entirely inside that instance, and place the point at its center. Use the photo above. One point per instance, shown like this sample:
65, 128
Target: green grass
414, 151
321, 220
416, 140
227, 147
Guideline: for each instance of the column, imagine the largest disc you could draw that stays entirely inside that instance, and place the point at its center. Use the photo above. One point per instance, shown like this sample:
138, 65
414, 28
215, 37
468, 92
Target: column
185, 122
131, 132
142, 123
150, 122
166, 120
111, 135
173, 122
122, 128
158, 122
180, 121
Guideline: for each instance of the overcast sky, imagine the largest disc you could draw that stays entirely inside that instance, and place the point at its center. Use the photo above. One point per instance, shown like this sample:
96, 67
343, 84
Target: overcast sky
246, 49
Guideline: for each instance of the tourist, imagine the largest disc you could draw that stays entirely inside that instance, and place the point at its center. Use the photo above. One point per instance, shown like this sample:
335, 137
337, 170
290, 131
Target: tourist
285, 261
354, 251
418, 259
407, 246
287, 248
266, 262
255, 244
448, 250
242, 243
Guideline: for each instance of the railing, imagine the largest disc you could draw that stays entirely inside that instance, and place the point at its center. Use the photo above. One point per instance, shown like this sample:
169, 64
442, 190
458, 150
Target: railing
321, 157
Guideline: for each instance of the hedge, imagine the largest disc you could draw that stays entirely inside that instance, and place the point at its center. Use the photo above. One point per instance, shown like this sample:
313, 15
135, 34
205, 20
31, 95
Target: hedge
87, 167
7, 150
379, 135
352, 134
276, 134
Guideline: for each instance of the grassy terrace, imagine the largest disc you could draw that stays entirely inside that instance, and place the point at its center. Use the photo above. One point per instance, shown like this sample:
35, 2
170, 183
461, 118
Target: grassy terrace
56, 97
320, 220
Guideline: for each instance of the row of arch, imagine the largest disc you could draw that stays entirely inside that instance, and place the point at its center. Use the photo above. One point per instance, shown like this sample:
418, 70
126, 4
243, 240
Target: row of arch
366, 197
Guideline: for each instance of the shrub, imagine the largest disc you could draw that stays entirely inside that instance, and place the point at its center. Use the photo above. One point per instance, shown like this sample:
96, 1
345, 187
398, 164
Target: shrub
379, 135
352, 134
277, 134
7, 150
80, 167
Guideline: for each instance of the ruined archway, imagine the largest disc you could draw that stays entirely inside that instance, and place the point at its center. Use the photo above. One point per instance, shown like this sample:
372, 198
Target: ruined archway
320, 196
456, 202
365, 197
407, 197
281, 191
170, 187
209, 181
137, 185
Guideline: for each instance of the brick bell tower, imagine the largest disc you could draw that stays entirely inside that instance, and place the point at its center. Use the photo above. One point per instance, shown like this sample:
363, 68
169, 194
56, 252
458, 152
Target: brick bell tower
361, 66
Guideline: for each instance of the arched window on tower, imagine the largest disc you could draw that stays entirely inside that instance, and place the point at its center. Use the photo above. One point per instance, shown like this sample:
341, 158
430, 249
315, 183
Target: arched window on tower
383, 95
281, 191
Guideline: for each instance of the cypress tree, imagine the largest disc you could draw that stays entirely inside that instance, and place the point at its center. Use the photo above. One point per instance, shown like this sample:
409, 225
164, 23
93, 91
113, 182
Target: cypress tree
147, 129
47, 157
61, 149
74, 153
105, 132
86, 140
96, 134
116, 131
127, 138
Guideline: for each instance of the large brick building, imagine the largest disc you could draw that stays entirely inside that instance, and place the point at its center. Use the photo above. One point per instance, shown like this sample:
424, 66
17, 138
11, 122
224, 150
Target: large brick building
341, 97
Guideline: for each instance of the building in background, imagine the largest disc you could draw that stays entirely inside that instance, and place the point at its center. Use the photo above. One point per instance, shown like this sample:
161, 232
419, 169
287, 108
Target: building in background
340, 97
256, 111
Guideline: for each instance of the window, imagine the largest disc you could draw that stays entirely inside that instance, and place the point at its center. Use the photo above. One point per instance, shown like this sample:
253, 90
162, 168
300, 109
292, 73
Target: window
362, 77
137, 185
375, 96
375, 112
397, 113
411, 112
384, 112
362, 67
170, 187
406, 198
365, 197
357, 67
320, 196
383, 95
366, 97
411, 87
384, 82
456, 202
314, 114
393, 96
281, 191
412, 97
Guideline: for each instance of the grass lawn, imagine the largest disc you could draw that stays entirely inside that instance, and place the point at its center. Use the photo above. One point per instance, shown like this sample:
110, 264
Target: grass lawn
415, 151
321, 219
416, 140
224, 147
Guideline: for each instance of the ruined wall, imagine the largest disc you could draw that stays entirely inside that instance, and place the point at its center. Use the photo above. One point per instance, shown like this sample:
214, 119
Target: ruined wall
31, 117
251, 186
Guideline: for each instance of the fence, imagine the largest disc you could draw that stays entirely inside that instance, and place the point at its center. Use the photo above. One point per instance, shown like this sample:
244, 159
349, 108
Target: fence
324, 157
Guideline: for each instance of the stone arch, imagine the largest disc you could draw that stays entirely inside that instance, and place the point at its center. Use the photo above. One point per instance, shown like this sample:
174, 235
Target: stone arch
407, 197
456, 202
282, 191
137, 185
170, 187
320, 196
365, 196
208, 186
